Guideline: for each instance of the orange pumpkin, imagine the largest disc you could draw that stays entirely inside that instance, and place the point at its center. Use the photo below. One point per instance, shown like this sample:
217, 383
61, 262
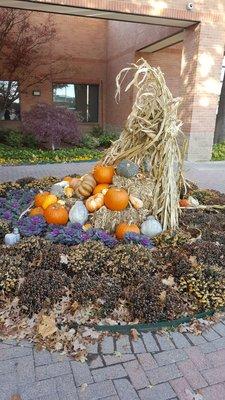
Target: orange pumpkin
100, 187
39, 198
36, 211
124, 228
184, 203
116, 199
50, 199
103, 173
56, 214
68, 179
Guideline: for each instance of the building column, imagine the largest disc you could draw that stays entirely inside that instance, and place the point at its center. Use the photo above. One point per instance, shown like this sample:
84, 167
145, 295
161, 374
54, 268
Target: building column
202, 55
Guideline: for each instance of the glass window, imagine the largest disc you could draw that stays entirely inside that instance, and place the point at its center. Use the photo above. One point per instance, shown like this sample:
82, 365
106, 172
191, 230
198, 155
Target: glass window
82, 98
9, 100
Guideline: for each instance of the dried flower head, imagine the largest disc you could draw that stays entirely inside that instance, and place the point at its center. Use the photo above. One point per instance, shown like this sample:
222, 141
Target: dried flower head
42, 288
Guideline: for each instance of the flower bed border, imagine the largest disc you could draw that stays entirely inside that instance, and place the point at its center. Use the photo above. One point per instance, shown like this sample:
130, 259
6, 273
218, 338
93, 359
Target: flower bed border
154, 326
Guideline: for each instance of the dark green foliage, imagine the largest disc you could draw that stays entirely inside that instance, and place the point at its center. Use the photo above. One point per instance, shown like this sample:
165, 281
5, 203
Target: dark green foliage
13, 139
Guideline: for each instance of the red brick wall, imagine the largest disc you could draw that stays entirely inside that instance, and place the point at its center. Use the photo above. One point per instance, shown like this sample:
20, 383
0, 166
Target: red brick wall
169, 60
81, 49
124, 40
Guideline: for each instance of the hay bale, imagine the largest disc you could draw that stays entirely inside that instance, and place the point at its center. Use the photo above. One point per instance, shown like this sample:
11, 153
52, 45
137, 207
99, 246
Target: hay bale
107, 219
140, 186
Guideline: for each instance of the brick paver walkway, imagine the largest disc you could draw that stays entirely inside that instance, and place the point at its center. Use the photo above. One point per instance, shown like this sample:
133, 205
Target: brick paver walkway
168, 367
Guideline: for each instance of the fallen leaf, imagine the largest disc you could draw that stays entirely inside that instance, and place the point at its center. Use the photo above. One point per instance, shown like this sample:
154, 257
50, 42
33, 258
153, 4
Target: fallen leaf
81, 356
47, 326
63, 259
117, 354
20, 282
91, 333
78, 346
134, 334
193, 396
83, 387
169, 281
162, 296
193, 261
58, 346
16, 397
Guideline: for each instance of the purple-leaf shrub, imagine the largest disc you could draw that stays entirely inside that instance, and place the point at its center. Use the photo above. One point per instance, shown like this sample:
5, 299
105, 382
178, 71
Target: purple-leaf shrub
51, 125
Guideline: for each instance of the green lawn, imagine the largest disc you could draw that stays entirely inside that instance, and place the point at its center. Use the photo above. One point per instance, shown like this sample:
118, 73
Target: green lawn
13, 156
218, 152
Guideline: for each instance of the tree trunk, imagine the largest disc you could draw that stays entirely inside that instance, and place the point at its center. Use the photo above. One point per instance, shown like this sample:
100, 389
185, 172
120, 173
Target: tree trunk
220, 119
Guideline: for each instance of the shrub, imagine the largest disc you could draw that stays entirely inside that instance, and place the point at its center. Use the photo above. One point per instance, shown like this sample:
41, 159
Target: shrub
90, 142
96, 131
218, 153
106, 139
30, 141
51, 125
13, 138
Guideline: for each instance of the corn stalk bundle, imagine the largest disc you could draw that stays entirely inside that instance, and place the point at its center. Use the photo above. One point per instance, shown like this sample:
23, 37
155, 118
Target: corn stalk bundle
150, 137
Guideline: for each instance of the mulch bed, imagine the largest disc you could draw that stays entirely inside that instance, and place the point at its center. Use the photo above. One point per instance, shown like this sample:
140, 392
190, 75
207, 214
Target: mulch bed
55, 292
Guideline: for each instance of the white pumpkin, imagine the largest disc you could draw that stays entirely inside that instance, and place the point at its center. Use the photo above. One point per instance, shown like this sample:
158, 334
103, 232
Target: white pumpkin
193, 202
12, 238
58, 188
78, 213
151, 227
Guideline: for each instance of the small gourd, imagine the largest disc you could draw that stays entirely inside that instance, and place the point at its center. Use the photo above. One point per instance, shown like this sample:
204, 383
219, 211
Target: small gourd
68, 191
151, 227
58, 188
12, 238
86, 186
78, 213
136, 203
95, 202
127, 168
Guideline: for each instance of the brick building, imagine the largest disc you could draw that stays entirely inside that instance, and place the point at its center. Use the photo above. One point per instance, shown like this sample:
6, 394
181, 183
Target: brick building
99, 37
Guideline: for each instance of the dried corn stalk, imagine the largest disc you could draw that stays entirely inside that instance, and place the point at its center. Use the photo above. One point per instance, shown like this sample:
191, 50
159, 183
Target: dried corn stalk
150, 137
